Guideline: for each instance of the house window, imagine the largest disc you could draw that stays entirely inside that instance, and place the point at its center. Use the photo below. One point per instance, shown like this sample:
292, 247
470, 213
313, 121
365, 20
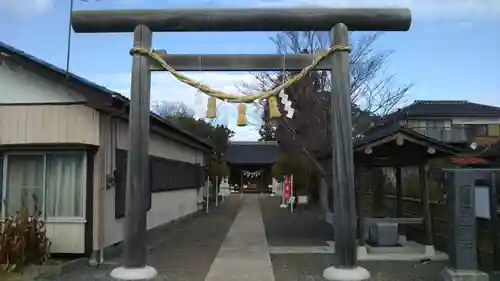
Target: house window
494, 130
412, 124
52, 182
24, 188
477, 130
64, 185
435, 124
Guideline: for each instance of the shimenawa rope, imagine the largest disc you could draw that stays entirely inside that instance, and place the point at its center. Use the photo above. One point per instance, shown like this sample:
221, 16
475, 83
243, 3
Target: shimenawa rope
231, 97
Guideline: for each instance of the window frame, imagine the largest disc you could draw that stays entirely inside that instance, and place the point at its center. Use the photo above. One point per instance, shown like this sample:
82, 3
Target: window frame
473, 128
45, 153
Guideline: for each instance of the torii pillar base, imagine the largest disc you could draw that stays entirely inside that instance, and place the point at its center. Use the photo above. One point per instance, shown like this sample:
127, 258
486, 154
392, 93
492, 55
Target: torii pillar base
333, 273
134, 274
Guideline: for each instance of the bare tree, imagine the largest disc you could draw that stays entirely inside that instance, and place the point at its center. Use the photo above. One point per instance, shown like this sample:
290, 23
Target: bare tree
171, 109
183, 116
373, 93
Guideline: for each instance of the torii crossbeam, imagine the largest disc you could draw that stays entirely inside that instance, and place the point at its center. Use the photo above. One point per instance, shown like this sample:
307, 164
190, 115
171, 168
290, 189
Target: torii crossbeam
144, 22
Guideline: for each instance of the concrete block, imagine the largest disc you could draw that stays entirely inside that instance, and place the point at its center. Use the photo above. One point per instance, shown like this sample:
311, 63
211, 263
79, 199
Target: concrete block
449, 274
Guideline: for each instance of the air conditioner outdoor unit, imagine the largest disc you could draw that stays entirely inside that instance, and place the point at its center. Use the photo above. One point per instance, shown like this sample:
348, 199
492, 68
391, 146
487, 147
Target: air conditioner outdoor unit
383, 234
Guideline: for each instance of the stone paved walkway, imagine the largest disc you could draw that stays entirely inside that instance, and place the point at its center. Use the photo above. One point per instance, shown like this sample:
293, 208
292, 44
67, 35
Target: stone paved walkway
244, 255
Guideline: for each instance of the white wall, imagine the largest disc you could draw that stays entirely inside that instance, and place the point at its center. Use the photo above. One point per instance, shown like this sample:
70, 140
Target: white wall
66, 237
35, 110
15, 88
161, 147
165, 206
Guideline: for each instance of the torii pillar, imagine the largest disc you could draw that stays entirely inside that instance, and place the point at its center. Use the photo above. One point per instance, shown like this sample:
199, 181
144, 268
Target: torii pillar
143, 23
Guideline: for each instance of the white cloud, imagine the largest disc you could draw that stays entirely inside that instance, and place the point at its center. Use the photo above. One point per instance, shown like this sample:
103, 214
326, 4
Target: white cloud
436, 9
26, 8
164, 87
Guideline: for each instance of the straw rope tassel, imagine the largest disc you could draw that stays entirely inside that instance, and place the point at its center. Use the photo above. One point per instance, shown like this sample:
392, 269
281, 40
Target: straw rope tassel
211, 107
274, 111
242, 118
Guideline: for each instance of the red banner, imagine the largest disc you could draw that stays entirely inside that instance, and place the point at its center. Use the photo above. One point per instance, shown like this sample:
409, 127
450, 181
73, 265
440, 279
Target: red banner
287, 187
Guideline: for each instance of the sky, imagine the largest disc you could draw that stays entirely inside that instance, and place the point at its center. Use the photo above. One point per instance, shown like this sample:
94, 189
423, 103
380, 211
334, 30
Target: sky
451, 52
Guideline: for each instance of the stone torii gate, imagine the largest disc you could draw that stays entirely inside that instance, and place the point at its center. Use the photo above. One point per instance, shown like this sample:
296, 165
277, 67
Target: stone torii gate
144, 22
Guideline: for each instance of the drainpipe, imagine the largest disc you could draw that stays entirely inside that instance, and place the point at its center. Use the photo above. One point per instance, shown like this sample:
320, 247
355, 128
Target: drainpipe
105, 178
99, 180
115, 122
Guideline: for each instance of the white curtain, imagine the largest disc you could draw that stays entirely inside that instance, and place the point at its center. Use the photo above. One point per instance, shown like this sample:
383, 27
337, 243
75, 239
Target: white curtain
24, 183
64, 185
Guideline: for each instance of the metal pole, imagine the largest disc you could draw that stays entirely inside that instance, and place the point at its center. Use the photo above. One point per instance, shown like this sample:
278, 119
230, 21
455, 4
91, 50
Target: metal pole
342, 153
282, 186
209, 191
217, 191
291, 194
262, 181
137, 165
207, 188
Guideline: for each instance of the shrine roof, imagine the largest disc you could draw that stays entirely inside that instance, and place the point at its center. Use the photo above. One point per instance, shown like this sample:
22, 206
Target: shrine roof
395, 145
252, 153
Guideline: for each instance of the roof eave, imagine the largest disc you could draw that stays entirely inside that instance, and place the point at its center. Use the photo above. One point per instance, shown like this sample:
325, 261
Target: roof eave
98, 97
450, 115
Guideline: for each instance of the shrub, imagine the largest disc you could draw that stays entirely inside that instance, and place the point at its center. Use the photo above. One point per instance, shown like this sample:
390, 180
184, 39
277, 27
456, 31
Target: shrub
23, 240
218, 170
297, 165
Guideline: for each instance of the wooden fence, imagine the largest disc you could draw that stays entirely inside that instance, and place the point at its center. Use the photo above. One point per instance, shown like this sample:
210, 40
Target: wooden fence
412, 208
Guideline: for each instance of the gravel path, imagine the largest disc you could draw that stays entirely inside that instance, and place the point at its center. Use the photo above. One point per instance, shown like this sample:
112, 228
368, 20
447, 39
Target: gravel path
180, 251
306, 228
310, 267
300, 228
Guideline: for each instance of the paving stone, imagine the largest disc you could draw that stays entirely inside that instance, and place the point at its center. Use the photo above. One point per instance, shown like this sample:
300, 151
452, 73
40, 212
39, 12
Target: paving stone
244, 255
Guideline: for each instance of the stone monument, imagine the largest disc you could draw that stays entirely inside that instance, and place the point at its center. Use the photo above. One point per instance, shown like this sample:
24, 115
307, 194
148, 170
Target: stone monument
462, 248
224, 188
